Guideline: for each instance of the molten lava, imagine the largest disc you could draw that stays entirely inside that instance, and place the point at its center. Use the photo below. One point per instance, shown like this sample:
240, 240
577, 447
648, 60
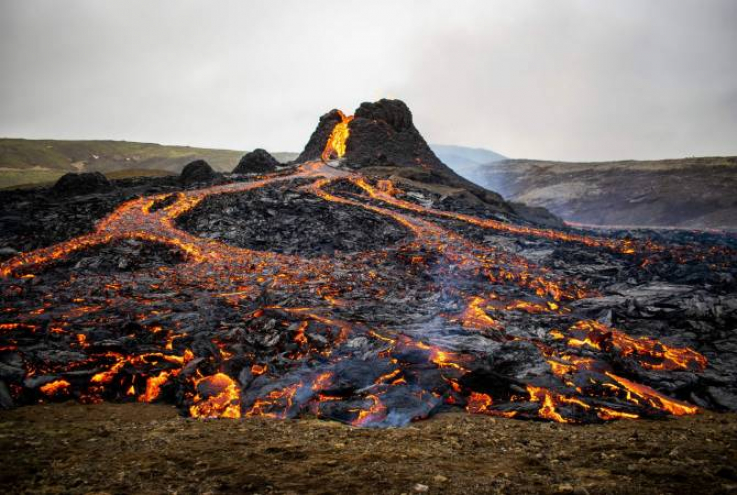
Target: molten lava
336, 144
650, 353
313, 358
217, 397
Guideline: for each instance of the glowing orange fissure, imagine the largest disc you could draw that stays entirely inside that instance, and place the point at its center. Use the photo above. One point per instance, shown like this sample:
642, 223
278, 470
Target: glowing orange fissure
336, 144
218, 395
651, 353
222, 399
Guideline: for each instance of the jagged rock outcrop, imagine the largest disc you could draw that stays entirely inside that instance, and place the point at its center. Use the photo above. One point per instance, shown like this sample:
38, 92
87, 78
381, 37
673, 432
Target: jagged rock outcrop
258, 161
197, 171
72, 184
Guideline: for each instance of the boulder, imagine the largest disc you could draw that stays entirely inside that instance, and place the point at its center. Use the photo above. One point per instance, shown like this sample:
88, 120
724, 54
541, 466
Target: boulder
258, 161
197, 171
72, 184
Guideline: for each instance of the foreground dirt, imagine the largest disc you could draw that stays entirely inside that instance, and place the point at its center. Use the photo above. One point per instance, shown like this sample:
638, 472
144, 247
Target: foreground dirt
138, 448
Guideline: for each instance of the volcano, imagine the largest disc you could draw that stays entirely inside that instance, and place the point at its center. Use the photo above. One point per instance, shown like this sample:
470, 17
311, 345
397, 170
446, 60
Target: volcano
365, 283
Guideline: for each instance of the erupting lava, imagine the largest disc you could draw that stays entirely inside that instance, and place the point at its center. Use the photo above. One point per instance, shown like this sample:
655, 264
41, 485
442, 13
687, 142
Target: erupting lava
335, 147
322, 358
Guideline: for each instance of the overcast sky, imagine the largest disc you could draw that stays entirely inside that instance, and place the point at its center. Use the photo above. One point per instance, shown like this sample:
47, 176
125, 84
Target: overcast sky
568, 80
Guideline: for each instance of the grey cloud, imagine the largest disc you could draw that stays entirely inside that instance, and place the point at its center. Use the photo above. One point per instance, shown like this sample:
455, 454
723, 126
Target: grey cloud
560, 80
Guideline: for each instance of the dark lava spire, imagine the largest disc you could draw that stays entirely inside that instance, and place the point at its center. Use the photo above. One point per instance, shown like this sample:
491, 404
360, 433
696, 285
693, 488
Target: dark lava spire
383, 134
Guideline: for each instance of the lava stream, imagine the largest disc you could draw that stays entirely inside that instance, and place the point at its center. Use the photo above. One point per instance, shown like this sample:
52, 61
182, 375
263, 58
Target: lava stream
414, 377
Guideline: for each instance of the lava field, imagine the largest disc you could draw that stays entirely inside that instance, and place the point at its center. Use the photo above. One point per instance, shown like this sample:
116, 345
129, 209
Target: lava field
330, 291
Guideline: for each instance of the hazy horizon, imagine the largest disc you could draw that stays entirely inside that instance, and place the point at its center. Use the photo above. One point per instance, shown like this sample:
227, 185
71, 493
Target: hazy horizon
573, 81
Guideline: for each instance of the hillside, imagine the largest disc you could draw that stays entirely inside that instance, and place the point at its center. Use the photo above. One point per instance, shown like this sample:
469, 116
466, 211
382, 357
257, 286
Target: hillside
463, 156
687, 193
25, 161
465, 161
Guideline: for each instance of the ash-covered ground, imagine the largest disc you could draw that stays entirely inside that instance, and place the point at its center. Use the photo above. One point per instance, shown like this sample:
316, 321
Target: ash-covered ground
142, 448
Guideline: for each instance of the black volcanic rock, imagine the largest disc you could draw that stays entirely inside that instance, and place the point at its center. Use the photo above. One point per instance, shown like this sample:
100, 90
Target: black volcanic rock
537, 215
72, 184
382, 133
283, 221
395, 113
315, 146
197, 171
257, 161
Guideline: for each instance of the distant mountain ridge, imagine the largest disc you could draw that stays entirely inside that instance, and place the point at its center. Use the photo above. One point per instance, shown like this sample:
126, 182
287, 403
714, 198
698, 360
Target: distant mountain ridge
466, 161
25, 161
463, 156
687, 193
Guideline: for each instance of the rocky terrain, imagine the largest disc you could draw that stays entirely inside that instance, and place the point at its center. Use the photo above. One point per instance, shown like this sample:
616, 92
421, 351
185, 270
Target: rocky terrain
367, 285
689, 193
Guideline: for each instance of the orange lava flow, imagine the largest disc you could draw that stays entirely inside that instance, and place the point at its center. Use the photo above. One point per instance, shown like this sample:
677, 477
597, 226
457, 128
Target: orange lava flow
548, 403
134, 220
651, 353
154, 384
625, 247
55, 387
218, 397
653, 397
336, 144
376, 410
238, 276
475, 317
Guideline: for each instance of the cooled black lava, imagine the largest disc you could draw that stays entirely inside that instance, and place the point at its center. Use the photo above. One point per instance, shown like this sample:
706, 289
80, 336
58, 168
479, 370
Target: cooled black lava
282, 219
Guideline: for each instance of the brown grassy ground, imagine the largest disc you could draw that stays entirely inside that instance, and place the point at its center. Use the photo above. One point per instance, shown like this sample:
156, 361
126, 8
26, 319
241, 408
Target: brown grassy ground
136, 448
